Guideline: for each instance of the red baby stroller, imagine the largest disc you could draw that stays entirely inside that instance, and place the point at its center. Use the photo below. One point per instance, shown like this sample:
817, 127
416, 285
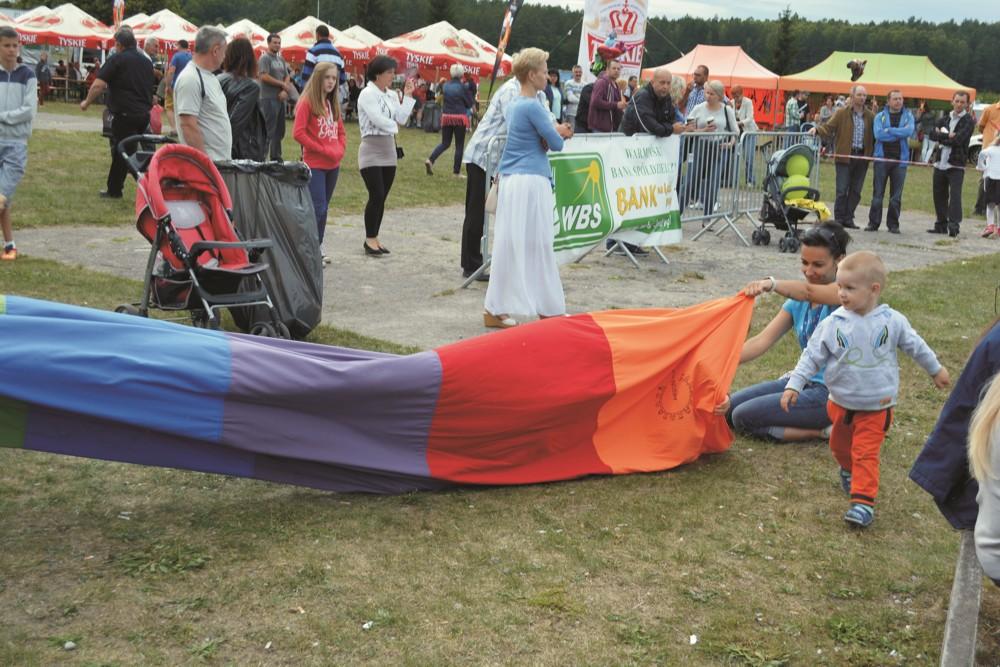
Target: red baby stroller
197, 262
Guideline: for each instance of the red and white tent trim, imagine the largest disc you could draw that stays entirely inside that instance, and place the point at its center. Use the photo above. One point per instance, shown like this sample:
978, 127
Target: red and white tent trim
435, 48
66, 25
168, 28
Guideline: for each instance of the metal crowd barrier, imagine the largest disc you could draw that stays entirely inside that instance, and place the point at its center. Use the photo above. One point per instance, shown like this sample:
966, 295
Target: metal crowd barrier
709, 164
720, 180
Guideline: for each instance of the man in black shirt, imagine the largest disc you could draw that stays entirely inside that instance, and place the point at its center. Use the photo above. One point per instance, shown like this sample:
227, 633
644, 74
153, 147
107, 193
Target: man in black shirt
128, 78
893, 128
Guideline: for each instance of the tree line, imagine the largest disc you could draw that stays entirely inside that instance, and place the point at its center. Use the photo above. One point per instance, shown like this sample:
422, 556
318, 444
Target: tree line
786, 44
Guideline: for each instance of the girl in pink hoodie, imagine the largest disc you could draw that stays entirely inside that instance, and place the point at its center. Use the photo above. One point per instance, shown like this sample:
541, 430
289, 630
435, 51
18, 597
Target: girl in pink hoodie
319, 127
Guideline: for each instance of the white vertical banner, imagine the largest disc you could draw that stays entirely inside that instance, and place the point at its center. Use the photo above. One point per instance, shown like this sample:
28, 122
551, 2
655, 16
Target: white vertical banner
627, 18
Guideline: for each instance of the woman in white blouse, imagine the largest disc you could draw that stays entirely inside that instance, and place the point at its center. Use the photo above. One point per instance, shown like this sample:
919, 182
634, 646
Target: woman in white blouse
380, 114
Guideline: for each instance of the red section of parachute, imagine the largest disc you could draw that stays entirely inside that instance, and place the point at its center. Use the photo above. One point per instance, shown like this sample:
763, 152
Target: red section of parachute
521, 405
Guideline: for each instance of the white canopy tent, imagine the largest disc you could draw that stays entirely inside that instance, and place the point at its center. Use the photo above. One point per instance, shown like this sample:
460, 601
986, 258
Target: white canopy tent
67, 25
362, 35
436, 47
299, 37
167, 27
247, 28
41, 10
135, 19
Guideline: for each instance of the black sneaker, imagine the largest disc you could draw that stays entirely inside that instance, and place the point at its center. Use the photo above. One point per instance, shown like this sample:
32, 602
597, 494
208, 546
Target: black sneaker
871, 228
953, 231
937, 230
849, 225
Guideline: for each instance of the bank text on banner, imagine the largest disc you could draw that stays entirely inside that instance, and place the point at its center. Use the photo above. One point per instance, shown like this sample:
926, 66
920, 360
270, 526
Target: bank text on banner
615, 186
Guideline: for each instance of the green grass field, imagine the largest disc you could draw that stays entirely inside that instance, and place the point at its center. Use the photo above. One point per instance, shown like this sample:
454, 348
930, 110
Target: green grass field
745, 550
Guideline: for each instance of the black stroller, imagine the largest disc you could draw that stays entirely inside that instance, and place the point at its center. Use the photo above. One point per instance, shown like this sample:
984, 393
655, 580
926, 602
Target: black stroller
197, 261
789, 173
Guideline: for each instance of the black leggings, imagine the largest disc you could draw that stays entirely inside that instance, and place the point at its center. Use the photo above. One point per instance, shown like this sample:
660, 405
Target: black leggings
378, 181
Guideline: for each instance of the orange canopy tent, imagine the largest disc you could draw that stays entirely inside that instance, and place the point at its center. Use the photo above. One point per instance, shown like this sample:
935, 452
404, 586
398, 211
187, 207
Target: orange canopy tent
916, 76
731, 65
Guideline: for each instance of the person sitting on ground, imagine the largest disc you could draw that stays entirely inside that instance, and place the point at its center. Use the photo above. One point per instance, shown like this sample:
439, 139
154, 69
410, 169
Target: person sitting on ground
755, 410
857, 347
18, 105
242, 91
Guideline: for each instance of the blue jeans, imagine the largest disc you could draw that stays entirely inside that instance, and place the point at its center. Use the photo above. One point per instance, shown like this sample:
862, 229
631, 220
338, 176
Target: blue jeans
757, 411
322, 183
896, 175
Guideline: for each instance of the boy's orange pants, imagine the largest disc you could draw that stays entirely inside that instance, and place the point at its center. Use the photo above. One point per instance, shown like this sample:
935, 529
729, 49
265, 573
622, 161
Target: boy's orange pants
855, 440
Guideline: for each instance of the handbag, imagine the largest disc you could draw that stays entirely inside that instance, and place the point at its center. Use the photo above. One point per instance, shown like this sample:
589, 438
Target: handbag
107, 117
491, 198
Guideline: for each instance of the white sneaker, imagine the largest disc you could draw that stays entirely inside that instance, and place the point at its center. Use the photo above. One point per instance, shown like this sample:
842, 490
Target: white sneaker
825, 433
326, 260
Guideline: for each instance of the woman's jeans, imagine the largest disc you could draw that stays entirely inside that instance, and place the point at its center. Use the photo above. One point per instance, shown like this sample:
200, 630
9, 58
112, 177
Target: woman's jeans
757, 411
447, 132
322, 183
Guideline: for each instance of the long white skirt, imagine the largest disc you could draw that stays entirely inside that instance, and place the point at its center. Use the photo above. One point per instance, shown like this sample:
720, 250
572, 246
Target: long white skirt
524, 278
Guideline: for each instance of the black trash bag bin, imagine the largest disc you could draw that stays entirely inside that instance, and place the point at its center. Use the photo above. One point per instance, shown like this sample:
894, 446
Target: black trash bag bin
271, 201
431, 117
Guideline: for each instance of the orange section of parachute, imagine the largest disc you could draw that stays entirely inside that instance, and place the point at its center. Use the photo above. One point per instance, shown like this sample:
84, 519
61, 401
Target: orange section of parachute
671, 368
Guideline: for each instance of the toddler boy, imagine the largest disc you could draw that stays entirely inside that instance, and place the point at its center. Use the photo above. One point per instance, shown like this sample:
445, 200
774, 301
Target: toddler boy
857, 345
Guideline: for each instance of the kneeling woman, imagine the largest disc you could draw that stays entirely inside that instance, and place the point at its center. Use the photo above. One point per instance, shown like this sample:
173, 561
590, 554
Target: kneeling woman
524, 278
756, 410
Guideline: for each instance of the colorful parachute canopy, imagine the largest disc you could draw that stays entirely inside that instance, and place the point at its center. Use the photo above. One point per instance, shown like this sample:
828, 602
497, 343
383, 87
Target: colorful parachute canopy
601, 393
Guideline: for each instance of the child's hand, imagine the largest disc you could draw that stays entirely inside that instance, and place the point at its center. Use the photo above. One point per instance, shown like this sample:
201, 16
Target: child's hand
788, 398
941, 378
723, 408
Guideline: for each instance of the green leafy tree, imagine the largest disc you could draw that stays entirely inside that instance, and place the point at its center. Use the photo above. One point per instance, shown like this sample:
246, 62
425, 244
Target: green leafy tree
784, 46
370, 15
440, 10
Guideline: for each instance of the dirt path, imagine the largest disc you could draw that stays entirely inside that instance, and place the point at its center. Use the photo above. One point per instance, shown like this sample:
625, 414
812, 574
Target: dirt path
413, 296
66, 122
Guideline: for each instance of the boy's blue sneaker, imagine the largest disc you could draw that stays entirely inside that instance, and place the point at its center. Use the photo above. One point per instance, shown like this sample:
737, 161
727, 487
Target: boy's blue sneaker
860, 515
845, 481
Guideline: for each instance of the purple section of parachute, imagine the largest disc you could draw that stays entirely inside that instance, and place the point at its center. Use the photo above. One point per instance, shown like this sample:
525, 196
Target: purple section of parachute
349, 408
59, 432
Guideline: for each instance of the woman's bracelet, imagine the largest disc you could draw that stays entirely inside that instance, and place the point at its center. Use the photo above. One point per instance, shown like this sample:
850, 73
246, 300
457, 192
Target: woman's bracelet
774, 284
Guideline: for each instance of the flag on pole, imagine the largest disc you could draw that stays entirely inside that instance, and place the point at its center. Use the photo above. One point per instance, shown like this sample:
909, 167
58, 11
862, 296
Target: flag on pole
505, 29
118, 14
621, 22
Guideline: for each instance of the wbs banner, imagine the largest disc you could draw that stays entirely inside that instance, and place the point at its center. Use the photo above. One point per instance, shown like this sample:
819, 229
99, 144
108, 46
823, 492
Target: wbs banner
615, 185
626, 19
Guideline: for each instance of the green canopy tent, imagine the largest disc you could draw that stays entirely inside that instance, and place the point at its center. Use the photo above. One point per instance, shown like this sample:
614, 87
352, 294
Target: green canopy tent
915, 76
